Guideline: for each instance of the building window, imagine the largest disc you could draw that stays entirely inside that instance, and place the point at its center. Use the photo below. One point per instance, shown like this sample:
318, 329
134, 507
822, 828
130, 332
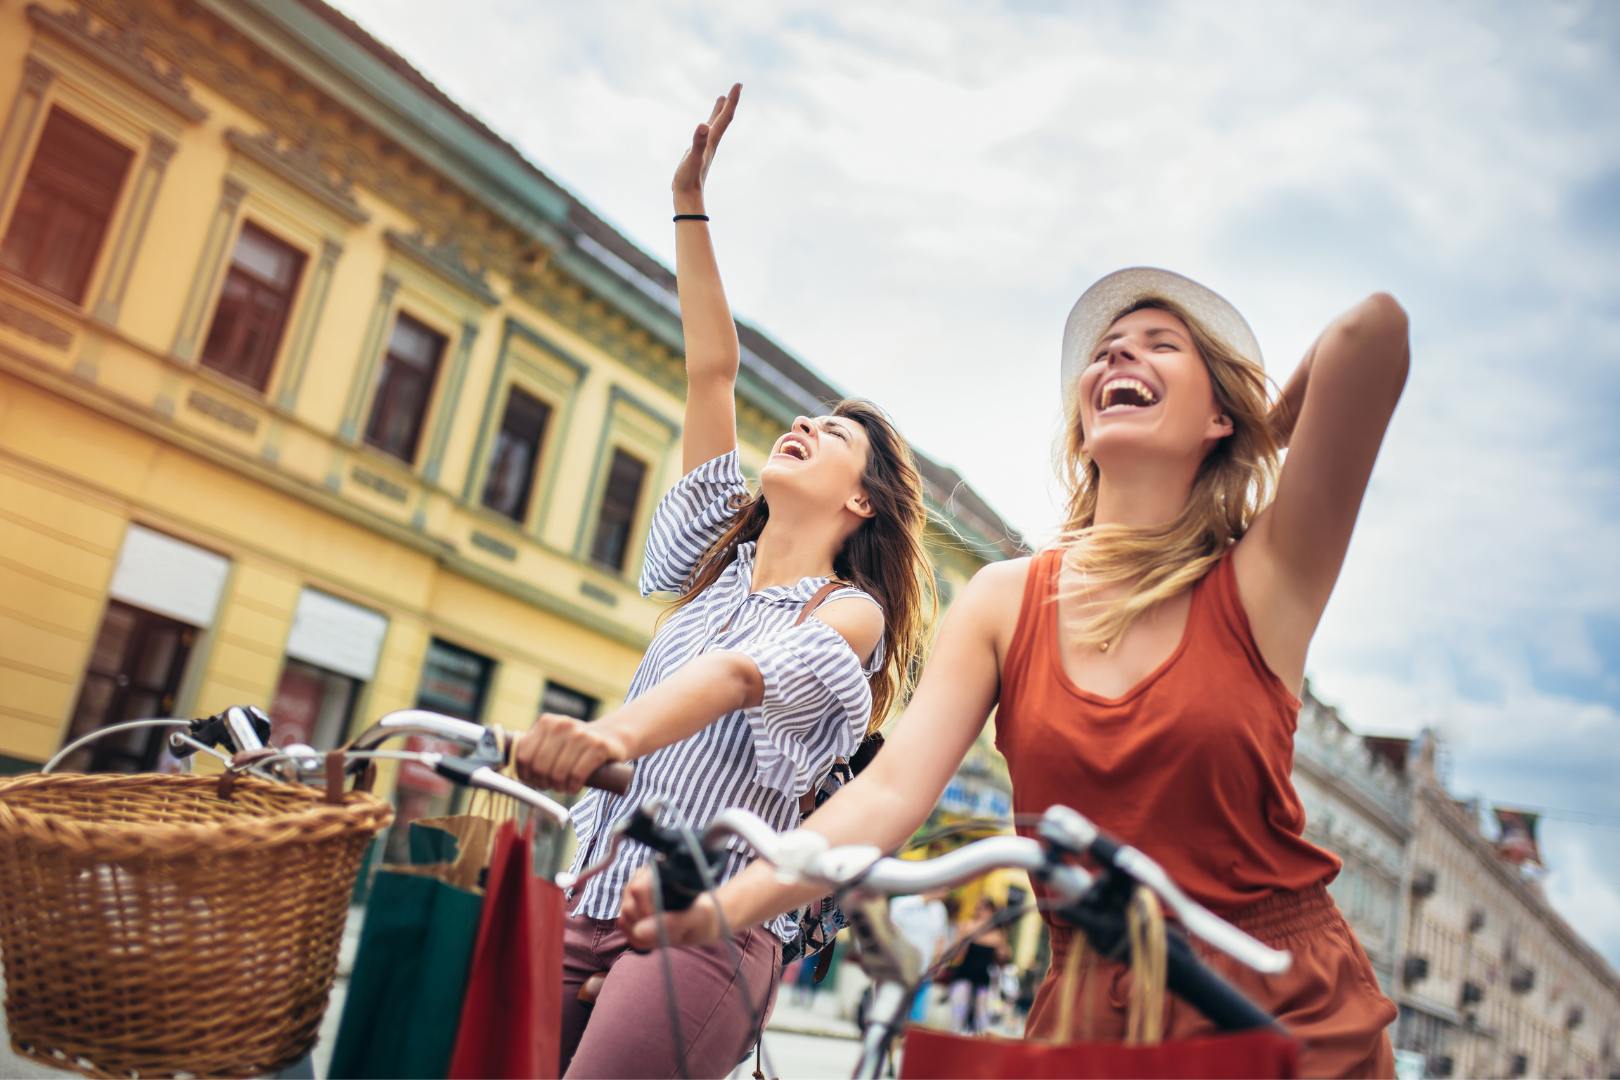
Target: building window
566, 701
65, 204
253, 307
134, 674
404, 387
620, 497
312, 706
517, 448
454, 682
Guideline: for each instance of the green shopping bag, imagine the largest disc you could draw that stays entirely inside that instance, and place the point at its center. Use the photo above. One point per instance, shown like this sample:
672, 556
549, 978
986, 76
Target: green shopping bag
410, 973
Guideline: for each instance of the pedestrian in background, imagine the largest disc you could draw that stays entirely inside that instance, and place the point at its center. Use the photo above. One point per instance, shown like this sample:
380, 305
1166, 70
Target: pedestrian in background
923, 921
975, 972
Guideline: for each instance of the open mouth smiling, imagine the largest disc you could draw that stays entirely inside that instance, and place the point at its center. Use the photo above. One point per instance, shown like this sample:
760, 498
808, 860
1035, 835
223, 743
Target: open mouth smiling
794, 447
1125, 392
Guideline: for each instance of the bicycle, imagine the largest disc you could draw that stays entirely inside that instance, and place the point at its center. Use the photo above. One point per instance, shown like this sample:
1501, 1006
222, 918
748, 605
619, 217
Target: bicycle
144, 916
685, 865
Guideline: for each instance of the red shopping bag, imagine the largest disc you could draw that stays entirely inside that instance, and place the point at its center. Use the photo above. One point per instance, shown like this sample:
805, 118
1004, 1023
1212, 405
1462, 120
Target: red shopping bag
934, 1055
510, 1016
1268, 1054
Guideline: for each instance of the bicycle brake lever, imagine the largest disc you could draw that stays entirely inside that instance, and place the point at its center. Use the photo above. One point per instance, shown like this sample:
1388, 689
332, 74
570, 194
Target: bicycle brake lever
235, 729
1074, 833
1199, 920
845, 866
476, 772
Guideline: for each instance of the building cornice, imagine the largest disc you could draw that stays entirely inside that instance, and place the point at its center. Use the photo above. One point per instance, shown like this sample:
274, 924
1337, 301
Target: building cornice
1320, 772
446, 260
302, 168
120, 47
287, 62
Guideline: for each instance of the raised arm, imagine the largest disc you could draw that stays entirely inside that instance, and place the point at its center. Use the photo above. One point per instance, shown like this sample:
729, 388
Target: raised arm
1343, 397
893, 796
712, 352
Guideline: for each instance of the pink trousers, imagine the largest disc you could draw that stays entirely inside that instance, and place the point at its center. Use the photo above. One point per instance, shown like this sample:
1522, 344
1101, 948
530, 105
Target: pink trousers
722, 1005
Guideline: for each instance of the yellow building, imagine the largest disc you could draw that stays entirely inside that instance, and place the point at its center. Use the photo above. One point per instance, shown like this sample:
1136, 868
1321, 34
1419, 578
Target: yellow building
314, 393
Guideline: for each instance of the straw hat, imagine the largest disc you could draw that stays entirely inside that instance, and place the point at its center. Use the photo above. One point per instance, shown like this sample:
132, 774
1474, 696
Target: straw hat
1098, 305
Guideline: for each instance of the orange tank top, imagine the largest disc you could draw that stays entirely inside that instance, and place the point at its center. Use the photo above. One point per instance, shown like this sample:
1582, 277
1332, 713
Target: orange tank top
1191, 765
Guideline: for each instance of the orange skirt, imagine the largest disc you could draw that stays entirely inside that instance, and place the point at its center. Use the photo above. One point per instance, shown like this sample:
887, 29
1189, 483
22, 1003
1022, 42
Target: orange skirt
1328, 999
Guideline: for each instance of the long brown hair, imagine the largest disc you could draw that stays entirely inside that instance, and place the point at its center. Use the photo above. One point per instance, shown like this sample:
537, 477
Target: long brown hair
884, 557
1234, 482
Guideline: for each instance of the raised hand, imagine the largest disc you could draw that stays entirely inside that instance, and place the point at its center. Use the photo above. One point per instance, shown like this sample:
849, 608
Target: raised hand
693, 170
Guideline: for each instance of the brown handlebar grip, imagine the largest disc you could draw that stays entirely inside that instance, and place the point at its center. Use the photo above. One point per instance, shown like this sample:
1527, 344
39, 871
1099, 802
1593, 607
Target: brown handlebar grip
615, 776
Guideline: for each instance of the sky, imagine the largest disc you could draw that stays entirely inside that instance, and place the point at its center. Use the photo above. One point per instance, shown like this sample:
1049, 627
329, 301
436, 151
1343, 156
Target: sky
913, 194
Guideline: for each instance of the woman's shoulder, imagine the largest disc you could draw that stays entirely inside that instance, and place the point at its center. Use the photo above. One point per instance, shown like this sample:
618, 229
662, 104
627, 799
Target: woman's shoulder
1006, 574
847, 595
996, 588
990, 604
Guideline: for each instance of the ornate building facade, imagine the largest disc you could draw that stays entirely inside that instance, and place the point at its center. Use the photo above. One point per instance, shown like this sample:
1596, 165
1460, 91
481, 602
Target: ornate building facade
1356, 805
315, 393
1492, 980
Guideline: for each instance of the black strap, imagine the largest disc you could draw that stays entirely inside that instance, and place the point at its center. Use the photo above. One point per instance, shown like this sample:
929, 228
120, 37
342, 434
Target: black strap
820, 597
824, 962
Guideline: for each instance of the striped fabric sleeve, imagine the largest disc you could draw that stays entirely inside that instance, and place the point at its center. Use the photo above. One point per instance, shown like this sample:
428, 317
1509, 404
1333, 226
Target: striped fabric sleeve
815, 707
693, 515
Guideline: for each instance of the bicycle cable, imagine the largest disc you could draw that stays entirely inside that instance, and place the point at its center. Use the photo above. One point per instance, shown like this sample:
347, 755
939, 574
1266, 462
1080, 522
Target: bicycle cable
668, 968
128, 725
756, 1017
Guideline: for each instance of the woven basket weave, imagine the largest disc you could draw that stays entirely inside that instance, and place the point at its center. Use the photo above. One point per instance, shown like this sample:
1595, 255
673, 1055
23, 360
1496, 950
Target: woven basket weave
149, 926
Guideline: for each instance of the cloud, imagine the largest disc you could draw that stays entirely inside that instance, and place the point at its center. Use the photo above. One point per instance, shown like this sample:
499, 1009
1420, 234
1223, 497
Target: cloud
913, 194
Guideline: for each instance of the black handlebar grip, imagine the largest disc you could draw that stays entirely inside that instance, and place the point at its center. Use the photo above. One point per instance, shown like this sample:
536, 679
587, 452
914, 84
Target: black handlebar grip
679, 883
1202, 988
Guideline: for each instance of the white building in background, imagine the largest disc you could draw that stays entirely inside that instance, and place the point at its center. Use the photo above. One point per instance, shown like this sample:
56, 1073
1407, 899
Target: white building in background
1357, 806
1490, 980
1493, 982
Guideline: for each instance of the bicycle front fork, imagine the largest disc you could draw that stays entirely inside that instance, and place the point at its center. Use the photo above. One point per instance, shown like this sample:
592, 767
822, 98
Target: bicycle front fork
890, 1001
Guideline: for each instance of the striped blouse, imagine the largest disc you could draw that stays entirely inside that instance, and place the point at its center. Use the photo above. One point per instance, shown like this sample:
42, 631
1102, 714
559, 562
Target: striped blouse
815, 707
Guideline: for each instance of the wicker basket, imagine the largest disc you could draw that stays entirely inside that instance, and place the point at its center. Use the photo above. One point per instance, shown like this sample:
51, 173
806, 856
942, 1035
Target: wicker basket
151, 927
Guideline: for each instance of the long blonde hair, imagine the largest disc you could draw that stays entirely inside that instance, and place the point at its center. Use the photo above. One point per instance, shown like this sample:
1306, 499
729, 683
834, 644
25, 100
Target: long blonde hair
1234, 482
885, 556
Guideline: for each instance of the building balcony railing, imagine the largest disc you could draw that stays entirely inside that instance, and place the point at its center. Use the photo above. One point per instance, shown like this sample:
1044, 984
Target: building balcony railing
1347, 763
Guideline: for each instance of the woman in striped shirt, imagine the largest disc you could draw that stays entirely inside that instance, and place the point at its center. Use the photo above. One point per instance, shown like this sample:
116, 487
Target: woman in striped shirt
745, 697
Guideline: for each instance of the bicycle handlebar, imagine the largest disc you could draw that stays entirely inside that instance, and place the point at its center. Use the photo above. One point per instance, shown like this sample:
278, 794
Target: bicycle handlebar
804, 855
245, 730
493, 743
1094, 903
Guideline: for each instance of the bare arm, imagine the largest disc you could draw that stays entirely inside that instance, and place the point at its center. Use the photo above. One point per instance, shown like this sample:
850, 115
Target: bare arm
710, 335
891, 798
1289, 562
1285, 413
559, 752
